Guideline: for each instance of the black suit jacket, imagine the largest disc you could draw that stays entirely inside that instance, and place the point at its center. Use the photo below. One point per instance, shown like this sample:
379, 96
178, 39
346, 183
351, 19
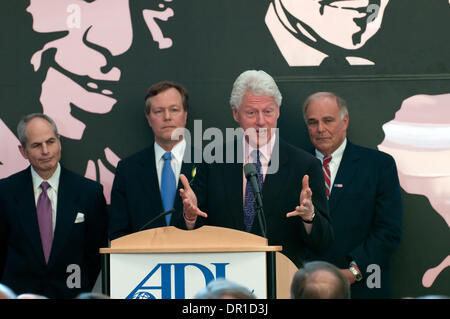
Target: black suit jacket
219, 191
22, 262
366, 213
136, 197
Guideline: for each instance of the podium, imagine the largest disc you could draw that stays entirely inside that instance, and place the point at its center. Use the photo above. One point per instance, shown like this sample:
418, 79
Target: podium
170, 263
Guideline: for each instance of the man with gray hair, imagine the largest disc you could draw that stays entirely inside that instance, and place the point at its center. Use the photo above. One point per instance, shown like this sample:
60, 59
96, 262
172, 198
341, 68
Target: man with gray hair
293, 195
319, 280
52, 221
364, 198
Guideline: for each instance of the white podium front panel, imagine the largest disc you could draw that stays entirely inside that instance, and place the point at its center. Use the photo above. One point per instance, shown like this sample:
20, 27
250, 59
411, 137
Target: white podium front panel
182, 275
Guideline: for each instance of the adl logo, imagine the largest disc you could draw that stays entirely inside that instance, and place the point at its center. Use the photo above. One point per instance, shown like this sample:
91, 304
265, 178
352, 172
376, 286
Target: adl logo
143, 291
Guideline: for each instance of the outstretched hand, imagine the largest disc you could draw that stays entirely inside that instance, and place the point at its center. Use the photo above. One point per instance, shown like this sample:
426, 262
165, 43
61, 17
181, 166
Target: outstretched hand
190, 209
306, 208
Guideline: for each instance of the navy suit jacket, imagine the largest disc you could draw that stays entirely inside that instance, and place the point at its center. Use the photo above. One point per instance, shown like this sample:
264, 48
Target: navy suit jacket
22, 262
219, 191
136, 196
366, 214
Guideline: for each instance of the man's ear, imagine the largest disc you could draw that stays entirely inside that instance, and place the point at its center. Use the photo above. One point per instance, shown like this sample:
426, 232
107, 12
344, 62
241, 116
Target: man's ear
23, 152
147, 116
235, 113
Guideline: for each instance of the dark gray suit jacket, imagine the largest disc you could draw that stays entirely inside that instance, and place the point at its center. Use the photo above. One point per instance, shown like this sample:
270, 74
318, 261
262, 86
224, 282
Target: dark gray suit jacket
22, 262
136, 197
218, 187
366, 214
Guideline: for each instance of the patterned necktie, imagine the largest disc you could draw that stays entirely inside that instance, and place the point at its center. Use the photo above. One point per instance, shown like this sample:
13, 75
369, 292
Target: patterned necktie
327, 174
249, 202
168, 185
44, 215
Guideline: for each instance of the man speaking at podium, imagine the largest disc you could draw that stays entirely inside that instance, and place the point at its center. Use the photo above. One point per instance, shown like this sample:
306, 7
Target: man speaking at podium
145, 184
295, 213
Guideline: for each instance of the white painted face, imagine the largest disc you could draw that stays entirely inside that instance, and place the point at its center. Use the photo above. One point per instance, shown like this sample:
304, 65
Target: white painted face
345, 23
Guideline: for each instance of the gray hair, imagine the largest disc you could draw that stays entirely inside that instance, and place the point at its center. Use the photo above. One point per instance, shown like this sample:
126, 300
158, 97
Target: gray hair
221, 287
320, 95
309, 282
22, 126
256, 82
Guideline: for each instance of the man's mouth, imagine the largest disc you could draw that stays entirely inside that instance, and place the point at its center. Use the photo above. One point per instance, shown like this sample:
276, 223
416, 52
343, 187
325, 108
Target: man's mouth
359, 5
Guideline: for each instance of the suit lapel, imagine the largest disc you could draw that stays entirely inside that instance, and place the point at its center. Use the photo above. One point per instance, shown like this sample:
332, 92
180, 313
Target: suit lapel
233, 174
149, 182
346, 171
273, 183
26, 209
66, 212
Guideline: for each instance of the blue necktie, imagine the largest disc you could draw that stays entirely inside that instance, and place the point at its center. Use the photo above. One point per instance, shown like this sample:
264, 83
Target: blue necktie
168, 185
249, 202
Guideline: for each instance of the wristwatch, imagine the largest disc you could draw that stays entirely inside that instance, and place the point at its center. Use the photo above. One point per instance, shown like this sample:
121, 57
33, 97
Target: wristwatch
355, 273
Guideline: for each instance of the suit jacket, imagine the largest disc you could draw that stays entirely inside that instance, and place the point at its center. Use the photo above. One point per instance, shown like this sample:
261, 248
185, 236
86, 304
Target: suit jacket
136, 196
22, 261
219, 191
366, 214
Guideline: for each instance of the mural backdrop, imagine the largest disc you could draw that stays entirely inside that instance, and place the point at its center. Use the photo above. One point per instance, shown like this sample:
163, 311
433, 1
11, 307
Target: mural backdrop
87, 64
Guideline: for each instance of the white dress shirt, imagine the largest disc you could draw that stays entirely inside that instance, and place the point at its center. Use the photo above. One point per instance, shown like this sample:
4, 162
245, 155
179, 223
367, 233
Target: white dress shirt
336, 158
52, 191
176, 161
264, 157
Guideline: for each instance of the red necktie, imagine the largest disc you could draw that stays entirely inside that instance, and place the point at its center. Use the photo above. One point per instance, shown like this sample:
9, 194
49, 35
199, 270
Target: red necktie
327, 174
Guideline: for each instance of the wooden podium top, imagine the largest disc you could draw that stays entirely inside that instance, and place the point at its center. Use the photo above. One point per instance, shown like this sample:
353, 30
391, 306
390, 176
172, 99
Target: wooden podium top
173, 240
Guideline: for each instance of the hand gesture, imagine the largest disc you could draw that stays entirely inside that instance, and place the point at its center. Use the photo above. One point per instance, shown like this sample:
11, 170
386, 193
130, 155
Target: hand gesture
306, 208
190, 209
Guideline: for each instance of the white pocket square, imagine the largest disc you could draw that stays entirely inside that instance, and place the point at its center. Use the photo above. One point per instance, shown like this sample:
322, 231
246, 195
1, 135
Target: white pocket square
79, 218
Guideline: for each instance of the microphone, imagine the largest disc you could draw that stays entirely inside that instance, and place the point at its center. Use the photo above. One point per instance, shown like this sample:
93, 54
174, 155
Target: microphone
170, 211
251, 174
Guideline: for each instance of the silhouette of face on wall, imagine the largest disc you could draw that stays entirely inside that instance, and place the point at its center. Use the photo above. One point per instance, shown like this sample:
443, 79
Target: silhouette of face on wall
80, 76
347, 24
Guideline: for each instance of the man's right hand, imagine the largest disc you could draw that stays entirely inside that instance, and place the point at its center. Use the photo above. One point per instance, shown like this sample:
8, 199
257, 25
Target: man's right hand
190, 209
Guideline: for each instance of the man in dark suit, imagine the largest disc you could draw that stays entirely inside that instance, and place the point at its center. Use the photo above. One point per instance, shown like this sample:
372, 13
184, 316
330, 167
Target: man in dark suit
364, 198
293, 195
52, 221
145, 184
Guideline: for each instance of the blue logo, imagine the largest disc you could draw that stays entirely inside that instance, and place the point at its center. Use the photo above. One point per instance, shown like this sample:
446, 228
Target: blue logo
143, 291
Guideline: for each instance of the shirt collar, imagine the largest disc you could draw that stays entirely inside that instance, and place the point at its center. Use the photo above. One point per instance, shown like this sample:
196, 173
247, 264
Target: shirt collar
177, 151
336, 155
53, 181
265, 150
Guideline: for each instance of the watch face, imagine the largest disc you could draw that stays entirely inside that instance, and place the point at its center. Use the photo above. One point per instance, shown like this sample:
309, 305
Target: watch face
356, 273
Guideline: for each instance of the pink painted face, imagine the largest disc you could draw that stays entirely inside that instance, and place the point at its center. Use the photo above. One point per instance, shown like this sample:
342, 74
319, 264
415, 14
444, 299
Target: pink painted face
258, 117
419, 140
96, 32
82, 75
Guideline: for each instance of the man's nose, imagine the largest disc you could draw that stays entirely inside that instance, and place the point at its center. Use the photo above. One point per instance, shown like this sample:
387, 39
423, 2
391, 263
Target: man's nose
110, 25
260, 119
320, 127
166, 115
44, 148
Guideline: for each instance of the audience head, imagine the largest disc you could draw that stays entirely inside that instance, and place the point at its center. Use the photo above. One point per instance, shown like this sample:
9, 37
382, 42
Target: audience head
319, 280
91, 295
6, 292
224, 289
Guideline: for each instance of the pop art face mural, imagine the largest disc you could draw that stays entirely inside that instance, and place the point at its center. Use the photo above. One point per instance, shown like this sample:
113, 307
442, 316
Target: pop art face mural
82, 76
419, 140
308, 32
88, 64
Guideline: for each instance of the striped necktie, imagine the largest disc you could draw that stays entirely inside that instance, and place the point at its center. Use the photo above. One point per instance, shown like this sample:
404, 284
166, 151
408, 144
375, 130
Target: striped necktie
327, 174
